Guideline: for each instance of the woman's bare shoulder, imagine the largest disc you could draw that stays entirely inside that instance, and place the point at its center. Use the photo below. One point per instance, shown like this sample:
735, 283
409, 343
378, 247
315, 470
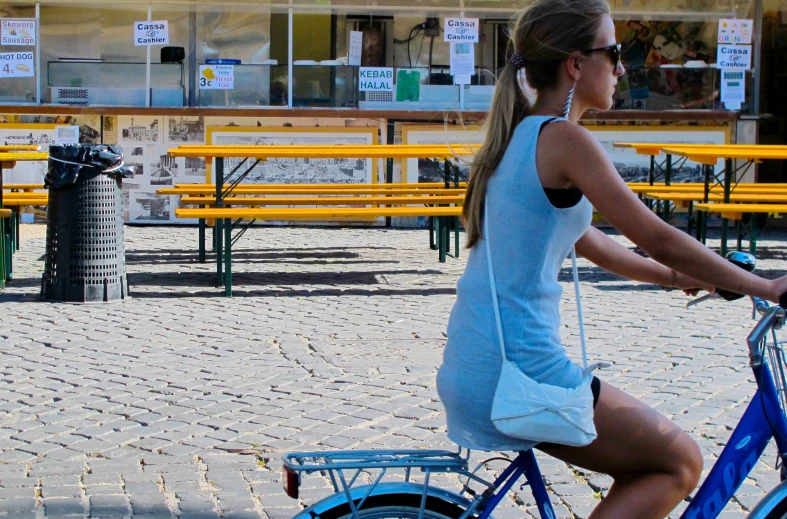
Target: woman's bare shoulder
563, 145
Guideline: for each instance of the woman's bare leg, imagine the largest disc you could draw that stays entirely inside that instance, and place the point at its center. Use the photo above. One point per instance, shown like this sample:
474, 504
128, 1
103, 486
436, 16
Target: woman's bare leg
654, 463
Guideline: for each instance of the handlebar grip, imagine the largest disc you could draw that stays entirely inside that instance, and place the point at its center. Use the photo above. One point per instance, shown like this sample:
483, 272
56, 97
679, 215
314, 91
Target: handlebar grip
732, 296
783, 300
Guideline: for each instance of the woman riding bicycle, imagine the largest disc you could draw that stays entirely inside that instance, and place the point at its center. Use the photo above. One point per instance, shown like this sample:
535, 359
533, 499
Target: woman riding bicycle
537, 177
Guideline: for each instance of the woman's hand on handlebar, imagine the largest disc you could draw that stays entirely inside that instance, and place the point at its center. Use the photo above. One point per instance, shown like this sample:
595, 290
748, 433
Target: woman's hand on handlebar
778, 288
691, 286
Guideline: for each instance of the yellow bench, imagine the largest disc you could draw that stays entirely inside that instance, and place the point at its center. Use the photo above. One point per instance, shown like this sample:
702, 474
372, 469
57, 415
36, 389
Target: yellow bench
758, 212
24, 202
337, 187
261, 189
5, 213
23, 187
325, 200
19, 147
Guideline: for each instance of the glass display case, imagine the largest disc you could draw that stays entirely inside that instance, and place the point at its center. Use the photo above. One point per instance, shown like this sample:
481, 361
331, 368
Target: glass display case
104, 83
20, 90
673, 87
324, 85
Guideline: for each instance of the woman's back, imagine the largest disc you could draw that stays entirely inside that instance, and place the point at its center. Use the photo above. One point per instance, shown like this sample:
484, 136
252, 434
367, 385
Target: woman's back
529, 239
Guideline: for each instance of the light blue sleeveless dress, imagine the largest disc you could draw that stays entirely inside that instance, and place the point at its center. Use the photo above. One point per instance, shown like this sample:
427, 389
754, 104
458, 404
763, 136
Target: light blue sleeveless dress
529, 240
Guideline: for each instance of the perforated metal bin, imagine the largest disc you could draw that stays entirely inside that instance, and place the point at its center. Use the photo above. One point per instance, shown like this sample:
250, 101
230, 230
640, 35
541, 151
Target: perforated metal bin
85, 251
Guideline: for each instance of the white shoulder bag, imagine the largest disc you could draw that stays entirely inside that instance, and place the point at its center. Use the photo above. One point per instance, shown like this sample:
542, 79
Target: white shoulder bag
524, 408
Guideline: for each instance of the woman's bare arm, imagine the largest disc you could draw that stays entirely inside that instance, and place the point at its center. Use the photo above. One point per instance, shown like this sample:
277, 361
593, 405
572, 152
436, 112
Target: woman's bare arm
610, 255
572, 153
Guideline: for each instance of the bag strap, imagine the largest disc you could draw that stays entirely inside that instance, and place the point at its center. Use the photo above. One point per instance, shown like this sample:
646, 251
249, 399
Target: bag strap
492, 284
579, 308
496, 305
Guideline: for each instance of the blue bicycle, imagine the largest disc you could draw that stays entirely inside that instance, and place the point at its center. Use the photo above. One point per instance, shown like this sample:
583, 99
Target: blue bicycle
765, 418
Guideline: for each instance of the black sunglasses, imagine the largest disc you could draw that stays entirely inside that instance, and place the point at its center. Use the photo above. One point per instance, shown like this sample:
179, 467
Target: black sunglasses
613, 53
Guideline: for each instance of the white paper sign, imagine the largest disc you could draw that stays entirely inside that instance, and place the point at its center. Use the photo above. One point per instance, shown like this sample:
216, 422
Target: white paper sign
356, 47
17, 32
66, 134
733, 88
375, 79
462, 59
732, 30
462, 79
737, 57
216, 77
461, 29
151, 33
17, 64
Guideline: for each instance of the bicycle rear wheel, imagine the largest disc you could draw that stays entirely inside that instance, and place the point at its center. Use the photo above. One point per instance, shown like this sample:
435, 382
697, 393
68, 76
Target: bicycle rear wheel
397, 506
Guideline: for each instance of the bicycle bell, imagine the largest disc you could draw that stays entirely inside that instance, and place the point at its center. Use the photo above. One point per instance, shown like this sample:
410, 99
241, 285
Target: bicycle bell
741, 259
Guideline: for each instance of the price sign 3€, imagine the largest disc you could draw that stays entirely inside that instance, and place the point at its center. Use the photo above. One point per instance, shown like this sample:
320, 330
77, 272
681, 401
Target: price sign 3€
216, 77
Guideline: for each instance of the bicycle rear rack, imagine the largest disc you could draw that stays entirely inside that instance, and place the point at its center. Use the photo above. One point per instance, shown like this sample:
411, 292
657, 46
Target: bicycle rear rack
434, 460
374, 463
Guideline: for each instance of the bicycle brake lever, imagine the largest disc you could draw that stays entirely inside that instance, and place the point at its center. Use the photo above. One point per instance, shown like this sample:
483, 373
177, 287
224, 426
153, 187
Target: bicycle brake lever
701, 299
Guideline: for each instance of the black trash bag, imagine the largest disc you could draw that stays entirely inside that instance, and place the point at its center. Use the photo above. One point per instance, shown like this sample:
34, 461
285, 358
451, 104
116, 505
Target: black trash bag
66, 162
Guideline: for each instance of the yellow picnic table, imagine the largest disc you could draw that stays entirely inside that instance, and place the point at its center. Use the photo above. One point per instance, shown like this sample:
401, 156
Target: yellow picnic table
23, 187
216, 154
709, 155
19, 147
8, 159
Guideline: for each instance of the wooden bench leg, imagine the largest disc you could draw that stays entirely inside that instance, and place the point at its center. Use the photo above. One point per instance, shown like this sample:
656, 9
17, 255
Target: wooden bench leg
442, 226
7, 250
432, 241
219, 226
690, 218
17, 219
215, 237
201, 240
456, 236
2, 253
228, 258
448, 236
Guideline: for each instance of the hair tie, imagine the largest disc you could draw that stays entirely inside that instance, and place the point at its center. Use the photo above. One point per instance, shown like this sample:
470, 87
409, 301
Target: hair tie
517, 61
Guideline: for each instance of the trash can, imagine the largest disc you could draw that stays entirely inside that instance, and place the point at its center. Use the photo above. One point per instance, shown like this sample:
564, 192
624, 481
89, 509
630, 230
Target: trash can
85, 251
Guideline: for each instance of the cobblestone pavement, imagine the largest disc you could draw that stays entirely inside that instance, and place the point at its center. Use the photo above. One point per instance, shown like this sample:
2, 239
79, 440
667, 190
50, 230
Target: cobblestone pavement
331, 341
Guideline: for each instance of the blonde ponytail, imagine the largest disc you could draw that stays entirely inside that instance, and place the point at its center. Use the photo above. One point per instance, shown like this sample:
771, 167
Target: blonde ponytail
509, 107
544, 35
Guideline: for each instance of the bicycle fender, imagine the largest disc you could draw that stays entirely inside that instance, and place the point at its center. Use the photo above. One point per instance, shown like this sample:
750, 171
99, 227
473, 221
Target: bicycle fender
772, 500
340, 498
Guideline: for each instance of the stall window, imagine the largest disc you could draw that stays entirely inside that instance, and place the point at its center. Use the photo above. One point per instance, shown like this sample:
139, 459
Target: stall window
18, 89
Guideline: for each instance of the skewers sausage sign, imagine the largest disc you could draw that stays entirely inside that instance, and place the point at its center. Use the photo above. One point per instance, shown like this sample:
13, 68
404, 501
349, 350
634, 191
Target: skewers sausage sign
17, 32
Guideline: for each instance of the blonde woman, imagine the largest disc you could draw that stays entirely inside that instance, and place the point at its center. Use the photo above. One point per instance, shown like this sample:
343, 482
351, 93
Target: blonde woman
539, 173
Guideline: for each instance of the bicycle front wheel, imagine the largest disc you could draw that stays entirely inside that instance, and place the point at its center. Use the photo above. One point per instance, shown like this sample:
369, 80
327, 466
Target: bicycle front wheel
773, 505
397, 506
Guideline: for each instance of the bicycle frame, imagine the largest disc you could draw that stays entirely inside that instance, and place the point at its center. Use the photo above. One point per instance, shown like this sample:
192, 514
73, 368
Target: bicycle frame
762, 420
525, 464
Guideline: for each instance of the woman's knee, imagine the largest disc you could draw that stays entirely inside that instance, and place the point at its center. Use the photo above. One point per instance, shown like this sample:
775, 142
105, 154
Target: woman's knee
687, 464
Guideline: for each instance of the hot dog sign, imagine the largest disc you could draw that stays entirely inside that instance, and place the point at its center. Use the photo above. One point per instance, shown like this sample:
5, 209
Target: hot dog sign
16, 64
